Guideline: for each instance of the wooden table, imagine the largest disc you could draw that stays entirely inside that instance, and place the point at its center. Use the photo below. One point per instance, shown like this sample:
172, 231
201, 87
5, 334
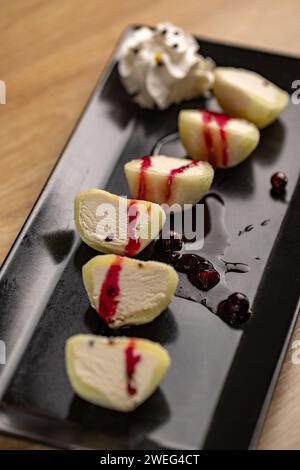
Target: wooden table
53, 51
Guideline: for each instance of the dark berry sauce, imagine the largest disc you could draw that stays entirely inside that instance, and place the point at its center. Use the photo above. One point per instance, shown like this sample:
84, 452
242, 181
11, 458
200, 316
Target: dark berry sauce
168, 257
235, 267
247, 229
188, 261
265, 222
171, 241
132, 358
204, 275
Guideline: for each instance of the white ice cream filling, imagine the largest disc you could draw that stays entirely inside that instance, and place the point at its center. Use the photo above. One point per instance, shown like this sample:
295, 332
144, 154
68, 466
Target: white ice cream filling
140, 288
106, 219
102, 366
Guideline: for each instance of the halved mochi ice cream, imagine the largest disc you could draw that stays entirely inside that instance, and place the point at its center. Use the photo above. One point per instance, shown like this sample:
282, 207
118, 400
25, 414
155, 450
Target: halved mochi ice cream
217, 138
113, 224
168, 180
246, 94
126, 291
116, 373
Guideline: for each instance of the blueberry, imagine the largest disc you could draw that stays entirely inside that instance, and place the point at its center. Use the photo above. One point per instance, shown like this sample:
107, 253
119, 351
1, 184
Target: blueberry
171, 242
235, 309
188, 261
204, 279
279, 181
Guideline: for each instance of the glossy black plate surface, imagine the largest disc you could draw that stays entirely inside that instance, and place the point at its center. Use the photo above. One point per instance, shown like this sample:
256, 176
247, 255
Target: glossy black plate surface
217, 385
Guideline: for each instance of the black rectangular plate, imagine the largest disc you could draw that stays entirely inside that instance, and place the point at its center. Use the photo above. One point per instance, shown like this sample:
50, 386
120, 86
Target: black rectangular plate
220, 377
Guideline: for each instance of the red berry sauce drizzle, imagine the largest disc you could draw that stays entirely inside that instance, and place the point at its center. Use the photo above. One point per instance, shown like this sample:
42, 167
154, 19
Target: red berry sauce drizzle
177, 171
221, 120
132, 358
133, 244
110, 291
145, 164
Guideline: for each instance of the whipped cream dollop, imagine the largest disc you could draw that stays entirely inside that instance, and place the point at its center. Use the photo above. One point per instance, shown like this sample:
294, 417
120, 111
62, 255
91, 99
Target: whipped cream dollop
160, 66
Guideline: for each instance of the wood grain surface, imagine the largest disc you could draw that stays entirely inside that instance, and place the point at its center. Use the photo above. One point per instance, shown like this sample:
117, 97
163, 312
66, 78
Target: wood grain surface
53, 51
